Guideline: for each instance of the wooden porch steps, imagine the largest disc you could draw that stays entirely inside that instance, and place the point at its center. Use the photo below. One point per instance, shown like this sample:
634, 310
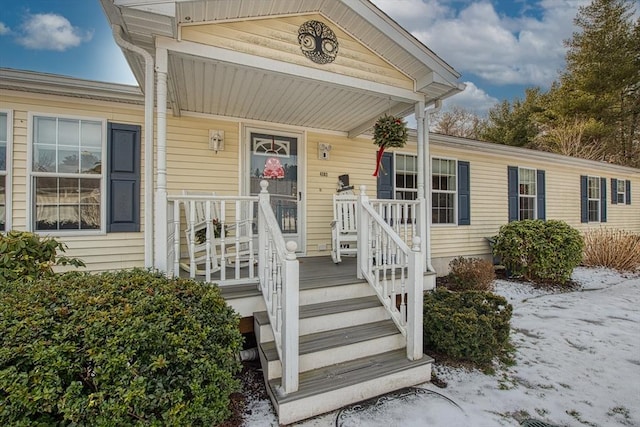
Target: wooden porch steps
349, 351
333, 387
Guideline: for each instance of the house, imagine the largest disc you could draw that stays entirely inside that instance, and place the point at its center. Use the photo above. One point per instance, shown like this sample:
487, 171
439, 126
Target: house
247, 115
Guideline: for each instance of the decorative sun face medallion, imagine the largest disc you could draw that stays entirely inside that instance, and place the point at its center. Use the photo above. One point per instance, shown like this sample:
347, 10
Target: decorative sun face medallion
318, 42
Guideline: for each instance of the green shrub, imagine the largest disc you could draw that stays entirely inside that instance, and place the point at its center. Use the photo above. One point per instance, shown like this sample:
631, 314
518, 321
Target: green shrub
468, 325
540, 251
610, 248
25, 255
471, 274
124, 348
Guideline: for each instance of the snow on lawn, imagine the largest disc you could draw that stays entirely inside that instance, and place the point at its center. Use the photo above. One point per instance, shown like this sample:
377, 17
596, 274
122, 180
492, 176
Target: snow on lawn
577, 363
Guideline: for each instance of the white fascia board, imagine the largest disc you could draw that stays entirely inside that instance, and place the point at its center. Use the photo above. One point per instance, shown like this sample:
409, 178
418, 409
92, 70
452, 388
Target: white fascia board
52, 83
521, 153
160, 7
243, 59
402, 37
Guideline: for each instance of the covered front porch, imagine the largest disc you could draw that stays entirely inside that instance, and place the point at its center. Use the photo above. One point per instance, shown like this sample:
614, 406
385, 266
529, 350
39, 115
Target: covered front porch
258, 110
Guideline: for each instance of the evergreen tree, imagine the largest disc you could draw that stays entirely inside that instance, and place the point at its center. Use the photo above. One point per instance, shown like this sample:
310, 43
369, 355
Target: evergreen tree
515, 123
601, 82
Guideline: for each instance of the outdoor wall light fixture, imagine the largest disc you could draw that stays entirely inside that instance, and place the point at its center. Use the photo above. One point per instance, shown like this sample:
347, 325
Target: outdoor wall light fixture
323, 150
216, 140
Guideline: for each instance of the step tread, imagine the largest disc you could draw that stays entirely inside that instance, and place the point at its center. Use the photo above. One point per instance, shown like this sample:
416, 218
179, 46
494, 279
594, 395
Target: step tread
326, 308
348, 373
336, 338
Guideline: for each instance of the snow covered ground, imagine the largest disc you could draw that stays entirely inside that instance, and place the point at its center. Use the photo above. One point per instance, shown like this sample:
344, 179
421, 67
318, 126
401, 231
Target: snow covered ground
577, 364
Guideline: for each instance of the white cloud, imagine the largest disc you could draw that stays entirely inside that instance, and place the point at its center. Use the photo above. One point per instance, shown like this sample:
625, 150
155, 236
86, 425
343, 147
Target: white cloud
500, 49
4, 29
49, 31
473, 99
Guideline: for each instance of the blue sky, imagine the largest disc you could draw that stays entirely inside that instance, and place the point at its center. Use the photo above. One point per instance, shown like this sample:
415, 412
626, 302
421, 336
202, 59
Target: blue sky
499, 47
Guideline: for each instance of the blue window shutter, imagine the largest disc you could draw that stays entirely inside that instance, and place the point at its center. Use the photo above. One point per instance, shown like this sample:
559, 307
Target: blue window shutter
385, 177
123, 178
512, 176
584, 205
542, 208
614, 191
603, 199
464, 193
627, 197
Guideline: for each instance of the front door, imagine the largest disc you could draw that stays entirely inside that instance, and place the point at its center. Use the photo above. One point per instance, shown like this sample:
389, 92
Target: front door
275, 158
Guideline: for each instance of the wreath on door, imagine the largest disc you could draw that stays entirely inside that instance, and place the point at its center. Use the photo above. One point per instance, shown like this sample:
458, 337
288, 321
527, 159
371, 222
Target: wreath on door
388, 132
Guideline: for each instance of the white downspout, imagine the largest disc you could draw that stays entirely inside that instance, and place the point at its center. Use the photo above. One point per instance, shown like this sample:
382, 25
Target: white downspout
427, 162
149, 79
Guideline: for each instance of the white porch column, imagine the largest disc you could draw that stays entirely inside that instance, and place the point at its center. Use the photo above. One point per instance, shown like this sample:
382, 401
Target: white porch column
423, 193
161, 225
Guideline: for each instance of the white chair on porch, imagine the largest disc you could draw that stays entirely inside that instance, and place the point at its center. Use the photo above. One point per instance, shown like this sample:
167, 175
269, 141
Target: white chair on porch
344, 227
221, 248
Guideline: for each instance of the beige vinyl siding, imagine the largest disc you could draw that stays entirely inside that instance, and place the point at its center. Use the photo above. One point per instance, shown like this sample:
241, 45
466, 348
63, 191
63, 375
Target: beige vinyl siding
99, 251
277, 38
489, 199
191, 165
355, 157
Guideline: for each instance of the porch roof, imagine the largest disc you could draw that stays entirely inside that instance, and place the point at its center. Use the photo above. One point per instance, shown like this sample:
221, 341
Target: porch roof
216, 81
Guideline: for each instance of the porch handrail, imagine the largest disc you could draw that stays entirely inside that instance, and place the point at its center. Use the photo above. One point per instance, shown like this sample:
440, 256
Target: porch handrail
226, 249
279, 281
394, 270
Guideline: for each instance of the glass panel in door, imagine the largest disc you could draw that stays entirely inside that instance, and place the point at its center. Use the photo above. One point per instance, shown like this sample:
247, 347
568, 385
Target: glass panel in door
275, 159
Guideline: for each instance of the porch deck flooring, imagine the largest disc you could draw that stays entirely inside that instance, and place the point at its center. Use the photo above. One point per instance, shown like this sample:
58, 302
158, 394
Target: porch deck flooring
315, 272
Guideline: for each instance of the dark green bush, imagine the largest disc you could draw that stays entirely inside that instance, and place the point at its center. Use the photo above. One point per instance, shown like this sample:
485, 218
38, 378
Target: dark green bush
125, 348
468, 325
540, 251
471, 274
28, 256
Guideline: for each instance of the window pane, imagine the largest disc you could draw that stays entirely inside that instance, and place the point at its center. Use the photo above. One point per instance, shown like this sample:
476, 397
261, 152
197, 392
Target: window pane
443, 208
594, 210
68, 132
45, 130
68, 161
90, 162
90, 203
527, 180
527, 208
91, 134
3, 127
67, 203
44, 159
594, 187
3, 156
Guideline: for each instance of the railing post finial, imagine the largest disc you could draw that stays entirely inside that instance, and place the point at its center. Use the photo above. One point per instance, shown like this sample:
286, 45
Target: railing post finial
263, 185
363, 190
416, 243
291, 249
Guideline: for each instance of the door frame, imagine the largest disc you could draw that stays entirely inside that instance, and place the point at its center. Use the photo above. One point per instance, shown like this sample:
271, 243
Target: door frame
245, 170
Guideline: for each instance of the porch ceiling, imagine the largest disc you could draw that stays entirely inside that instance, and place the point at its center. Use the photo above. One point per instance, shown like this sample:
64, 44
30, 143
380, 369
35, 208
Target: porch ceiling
210, 84
244, 92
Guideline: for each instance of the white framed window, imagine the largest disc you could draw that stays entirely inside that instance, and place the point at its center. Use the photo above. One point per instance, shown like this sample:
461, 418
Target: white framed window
67, 178
443, 191
621, 192
593, 198
406, 176
527, 193
6, 132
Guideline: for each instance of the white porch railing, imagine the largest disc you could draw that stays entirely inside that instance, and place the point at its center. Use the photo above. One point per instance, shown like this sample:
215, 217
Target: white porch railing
392, 268
279, 283
219, 237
